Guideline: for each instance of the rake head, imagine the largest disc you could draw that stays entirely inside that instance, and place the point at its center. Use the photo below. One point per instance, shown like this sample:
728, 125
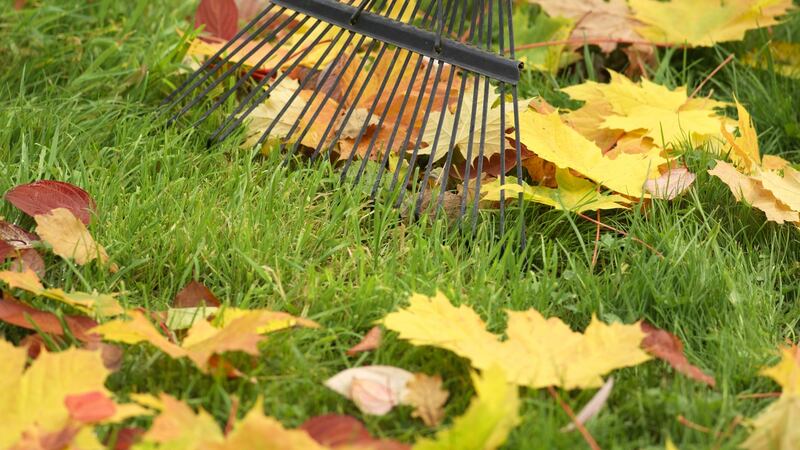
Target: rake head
428, 90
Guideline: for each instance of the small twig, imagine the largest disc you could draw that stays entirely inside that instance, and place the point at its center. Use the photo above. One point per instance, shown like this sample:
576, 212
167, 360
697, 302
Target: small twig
232, 415
728, 431
582, 429
689, 424
758, 395
596, 241
711, 75
598, 223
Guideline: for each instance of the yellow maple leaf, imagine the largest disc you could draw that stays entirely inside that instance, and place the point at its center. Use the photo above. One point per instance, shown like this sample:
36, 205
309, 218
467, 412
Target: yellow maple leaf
776, 428
782, 57
744, 148
529, 356
572, 194
203, 340
93, 304
34, 400
69, 237
556, 142
426, 395
702, 23
491, 416
752, 190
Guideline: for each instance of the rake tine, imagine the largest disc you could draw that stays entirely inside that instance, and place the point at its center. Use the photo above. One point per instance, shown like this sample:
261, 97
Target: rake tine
314, 94
483, 130
226, 124
219, 53
198, 98
201, 79
451, 149
502, 49
515, 99
235, 119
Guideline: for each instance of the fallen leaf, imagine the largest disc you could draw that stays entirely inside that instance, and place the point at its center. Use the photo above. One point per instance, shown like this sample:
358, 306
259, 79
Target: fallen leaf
371, 341
603, 23
43, 196
538, 352
19, 314
374, 389
183, 318
426, 395
219, 18
90, 407
69, 237
787, 372
180, 426
203, 340
94, 304
752, 191
670, 184
667, 347
16, 236
593, 407
491, 416
538, 28
340, 431
195, 294
782, 57
703, 23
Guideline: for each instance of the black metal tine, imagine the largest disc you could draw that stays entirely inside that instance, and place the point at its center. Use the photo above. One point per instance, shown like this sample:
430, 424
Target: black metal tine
385, 111
361, 7
476, 86
219, 53
479, 171
358, 96
234, 119
300, 87
431, 100
227, 123
310, 101
448, 162
515, 99
502, 49
199, 97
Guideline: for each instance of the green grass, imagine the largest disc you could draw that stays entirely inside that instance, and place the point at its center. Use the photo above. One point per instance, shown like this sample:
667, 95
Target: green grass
78, 93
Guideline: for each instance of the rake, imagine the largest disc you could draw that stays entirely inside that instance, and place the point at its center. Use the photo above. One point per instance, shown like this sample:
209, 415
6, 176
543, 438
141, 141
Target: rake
440, 99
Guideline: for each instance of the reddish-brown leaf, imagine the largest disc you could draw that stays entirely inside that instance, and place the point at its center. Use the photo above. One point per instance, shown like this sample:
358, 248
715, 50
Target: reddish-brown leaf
111, 354
371, 341
16, 313
19, 4
41, 197
29, 259
220, 17
16, 236
195, 295
34, 343
667, 347
6, 251
90, 407
336, 430
127, 437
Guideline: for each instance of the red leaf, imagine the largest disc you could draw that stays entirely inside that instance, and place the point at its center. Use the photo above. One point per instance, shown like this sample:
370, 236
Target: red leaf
90, 407
667, 347
336, 430
220, 17
127, 437
371, 341
16, 313
195, 294
43, 196
6, 250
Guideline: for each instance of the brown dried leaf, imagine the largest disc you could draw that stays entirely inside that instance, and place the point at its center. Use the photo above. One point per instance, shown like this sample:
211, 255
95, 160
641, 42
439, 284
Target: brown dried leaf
336, 430
195, 295
667, 347
428, 397
19, 314
371, 341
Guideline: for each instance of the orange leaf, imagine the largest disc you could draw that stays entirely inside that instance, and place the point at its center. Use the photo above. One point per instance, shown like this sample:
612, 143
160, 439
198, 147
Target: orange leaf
667, 347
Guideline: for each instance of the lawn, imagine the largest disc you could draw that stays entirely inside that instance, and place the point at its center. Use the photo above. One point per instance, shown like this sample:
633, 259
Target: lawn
79, 96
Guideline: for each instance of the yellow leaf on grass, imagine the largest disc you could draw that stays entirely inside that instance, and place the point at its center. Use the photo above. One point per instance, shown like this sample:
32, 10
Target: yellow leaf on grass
751, 190
572, 194
705, 22
787, 371
68, 236
491, 416
744, 148
785, 188
556, 142
34, 399
538, 352
203, 340
93, 304
253, 53
782, 57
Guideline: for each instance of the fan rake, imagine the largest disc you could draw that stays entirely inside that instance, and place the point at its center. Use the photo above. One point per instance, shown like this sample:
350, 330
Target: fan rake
447, 73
